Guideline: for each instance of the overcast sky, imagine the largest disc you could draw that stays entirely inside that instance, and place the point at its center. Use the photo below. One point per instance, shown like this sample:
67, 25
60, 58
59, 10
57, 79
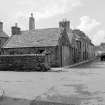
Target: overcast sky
87, 15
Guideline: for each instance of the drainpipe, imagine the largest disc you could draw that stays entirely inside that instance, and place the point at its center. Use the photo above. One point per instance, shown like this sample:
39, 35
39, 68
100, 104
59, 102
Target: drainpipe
61, 56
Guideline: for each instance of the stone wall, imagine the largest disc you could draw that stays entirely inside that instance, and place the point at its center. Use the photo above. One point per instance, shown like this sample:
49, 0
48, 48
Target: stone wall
3, 41
34, 102
25, 62
53, 53
65, 56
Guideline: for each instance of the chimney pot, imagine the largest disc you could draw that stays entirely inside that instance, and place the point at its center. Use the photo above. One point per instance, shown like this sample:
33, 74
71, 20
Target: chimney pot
16, 30
64, 25
31, 23
16, 24
1, 26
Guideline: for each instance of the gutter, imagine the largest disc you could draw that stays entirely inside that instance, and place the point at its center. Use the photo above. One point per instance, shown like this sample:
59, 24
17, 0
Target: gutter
65, 68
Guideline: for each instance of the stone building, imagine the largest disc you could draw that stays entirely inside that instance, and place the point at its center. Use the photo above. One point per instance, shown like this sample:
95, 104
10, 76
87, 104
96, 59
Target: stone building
84, 48
3, 36
100, 49
54, 41
63, 45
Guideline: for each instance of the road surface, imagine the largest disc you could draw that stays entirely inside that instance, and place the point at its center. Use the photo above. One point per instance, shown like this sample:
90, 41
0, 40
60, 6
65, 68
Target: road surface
84, 85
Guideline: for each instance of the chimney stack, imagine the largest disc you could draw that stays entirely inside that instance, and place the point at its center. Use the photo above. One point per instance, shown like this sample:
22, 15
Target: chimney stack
64, 25
16, 30
1, 26
31, 23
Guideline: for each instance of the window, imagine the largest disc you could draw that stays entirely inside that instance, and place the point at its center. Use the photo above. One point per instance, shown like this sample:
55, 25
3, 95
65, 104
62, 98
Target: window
11, 52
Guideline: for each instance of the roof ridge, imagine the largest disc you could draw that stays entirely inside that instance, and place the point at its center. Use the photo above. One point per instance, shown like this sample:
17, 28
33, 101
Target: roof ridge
30, 38
7, 41
4, 34
40, 29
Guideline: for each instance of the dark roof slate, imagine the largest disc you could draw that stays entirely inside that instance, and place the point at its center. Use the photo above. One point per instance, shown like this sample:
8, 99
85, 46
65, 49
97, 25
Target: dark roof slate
81, 34
3, 35
37, 38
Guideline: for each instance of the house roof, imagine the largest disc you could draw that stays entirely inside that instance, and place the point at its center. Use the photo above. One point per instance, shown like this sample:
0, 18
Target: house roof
81, 34
3, 35
37, 38
70, 36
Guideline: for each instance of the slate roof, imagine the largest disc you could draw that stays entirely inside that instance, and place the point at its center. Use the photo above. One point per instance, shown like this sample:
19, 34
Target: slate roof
37, 38
81, 34
70, 35
3, 35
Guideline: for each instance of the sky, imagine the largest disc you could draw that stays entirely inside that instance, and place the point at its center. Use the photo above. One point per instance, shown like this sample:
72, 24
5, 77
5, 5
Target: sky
86, 15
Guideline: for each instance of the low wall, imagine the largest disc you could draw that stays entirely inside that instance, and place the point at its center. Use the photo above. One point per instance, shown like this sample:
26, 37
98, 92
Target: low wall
26, 62
82, 62
34, 102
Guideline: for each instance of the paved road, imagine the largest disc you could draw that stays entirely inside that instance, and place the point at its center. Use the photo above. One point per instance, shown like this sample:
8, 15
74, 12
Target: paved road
83, 85
93, 65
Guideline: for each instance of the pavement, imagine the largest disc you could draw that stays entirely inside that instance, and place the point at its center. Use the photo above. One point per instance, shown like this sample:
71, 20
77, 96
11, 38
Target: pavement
14, 101
82, 85
59, 69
